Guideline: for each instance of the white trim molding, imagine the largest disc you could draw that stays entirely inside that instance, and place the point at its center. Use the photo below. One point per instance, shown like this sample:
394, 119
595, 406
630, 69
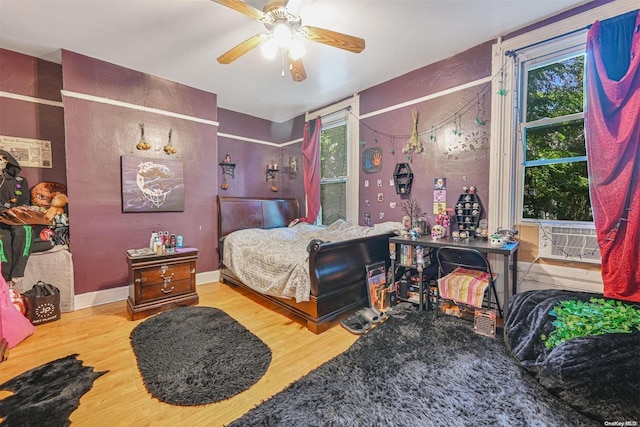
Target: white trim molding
108, 101
26, 98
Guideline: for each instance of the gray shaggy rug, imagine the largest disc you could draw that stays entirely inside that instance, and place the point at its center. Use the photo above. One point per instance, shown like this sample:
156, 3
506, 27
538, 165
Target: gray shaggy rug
46, 395
417, 371
197, 355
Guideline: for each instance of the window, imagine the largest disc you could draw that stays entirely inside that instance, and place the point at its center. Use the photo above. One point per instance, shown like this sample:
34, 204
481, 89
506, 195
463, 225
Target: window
333, 166
555, 180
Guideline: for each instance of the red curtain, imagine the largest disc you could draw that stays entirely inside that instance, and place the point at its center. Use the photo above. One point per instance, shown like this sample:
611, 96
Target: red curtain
612, 125
311, 168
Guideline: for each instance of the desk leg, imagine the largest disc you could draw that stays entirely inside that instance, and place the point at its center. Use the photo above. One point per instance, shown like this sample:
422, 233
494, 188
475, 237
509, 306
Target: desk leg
507, 288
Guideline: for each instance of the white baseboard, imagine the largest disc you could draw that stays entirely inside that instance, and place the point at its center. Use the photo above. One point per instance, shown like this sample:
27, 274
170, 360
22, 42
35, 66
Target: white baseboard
91, 299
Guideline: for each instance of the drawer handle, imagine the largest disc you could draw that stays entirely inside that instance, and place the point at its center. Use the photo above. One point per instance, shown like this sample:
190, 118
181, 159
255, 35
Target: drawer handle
167, 291
167, 279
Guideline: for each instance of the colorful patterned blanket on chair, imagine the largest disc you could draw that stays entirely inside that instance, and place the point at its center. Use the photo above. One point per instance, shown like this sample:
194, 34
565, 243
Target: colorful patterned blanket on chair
464, 285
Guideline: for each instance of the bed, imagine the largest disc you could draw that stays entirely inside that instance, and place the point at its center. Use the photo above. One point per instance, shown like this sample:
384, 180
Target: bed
332, 271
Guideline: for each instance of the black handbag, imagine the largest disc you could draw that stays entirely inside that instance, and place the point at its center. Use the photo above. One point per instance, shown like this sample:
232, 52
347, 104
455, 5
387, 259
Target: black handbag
43, 303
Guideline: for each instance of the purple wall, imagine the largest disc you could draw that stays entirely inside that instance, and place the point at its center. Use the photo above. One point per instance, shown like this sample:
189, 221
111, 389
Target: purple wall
251, 158
462, 159
28, 76
98, 134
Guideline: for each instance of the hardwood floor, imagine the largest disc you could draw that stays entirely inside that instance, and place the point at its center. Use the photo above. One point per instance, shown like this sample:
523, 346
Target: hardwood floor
100, 335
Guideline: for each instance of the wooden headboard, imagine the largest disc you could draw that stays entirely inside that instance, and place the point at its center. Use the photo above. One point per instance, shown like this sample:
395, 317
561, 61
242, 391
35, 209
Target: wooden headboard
238, 213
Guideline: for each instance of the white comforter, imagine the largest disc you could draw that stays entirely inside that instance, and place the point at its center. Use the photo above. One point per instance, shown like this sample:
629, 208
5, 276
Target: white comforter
275, 261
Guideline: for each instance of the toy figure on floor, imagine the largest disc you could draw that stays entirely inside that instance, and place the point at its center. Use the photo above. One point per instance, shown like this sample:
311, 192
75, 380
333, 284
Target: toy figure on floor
15, 240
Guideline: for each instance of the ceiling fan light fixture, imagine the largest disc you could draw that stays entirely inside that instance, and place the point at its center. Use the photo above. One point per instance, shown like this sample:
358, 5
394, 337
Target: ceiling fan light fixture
269, 49
296, 48
282, 33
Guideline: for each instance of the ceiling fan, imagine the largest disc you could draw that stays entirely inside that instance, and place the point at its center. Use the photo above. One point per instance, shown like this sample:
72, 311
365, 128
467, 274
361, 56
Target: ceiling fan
285, 33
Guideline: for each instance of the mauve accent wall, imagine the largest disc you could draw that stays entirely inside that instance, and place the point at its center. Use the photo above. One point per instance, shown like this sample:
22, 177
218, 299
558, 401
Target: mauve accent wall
27, 76
265, 145
98, 134
462, 159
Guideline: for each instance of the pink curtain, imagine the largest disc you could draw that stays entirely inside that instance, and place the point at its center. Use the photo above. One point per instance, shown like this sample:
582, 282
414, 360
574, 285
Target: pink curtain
311, 168
612, 125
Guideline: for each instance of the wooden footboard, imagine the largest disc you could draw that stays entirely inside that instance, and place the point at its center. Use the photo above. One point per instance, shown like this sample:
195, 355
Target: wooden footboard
336, 269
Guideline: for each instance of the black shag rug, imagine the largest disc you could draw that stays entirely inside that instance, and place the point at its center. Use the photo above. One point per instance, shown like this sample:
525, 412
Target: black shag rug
197, 355
417, 371
48, 394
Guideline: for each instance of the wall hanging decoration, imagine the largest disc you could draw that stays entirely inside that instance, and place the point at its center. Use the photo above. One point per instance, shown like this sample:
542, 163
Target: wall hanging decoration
143, 144
152, 185
169, 148
468, 210
413, 144
228, 168
293, 167
372, 160
403, 178
272, 170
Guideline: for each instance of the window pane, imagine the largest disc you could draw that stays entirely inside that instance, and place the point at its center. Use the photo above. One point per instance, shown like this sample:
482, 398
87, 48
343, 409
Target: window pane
556, 141
333, 198
556, 90
333, 159
557, 192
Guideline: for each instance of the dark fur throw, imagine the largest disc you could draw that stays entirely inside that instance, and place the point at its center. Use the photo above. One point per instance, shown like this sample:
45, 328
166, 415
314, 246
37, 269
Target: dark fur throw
597, 375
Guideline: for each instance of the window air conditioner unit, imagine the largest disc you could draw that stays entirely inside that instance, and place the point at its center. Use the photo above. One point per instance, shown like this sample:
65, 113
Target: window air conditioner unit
573, 242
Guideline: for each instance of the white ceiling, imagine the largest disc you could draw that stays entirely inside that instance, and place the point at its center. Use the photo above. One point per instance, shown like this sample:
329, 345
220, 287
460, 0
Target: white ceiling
179, 40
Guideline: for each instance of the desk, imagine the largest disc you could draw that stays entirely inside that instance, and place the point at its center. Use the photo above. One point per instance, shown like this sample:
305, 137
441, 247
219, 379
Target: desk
509, 251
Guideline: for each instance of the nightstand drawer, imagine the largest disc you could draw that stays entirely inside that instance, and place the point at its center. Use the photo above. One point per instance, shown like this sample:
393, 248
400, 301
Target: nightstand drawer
158, 275
162, 291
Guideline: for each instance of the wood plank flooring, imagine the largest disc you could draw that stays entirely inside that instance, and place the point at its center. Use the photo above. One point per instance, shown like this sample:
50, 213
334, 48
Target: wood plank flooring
100, 335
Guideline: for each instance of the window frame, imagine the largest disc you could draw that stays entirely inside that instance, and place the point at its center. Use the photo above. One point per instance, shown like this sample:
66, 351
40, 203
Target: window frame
331, 121
528, 59
504, 176
353, 178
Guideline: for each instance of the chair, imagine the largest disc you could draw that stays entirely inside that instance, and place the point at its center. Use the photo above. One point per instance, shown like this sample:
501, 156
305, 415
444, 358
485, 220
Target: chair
466, 262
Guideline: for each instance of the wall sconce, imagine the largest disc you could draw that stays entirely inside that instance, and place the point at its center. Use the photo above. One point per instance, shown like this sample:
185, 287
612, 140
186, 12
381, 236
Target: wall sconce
272, 169
228, 168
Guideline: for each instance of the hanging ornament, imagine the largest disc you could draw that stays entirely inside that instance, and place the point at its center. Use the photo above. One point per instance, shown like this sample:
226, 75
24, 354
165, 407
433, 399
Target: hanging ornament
169, 148
362, 143
413, 144
457, 123
143, 144
375, 138
502, 91
479, 116
391, 148
432, 137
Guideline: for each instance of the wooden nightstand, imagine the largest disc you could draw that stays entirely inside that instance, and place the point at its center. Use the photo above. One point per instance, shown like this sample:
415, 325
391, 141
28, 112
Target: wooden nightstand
161, 282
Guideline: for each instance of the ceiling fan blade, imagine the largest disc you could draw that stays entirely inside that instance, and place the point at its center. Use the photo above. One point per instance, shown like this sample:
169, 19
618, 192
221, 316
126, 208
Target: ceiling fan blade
236, 52
332, 38
297, 69
242, 7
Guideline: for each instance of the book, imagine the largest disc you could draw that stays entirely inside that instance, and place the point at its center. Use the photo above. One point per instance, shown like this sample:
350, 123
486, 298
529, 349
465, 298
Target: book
140, 252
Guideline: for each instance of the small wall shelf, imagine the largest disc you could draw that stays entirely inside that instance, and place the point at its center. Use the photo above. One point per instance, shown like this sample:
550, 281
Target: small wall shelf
403, 178
271, 174
228, 168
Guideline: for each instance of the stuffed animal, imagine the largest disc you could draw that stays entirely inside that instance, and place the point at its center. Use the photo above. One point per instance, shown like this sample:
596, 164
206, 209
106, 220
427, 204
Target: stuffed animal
58, 203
